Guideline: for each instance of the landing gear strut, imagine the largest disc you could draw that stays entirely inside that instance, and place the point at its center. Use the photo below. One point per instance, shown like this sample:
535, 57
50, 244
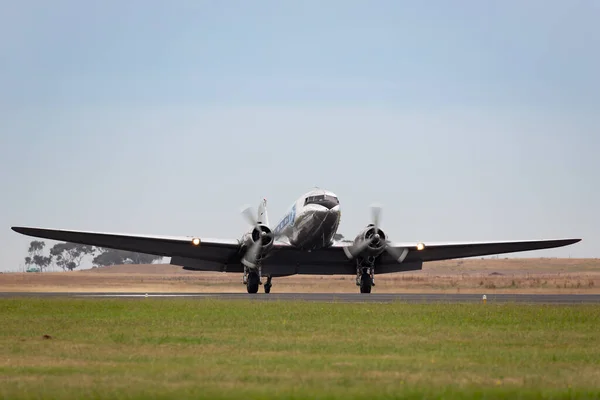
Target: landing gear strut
365, 277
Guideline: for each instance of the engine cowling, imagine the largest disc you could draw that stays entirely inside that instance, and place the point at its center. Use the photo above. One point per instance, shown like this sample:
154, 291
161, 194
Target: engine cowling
377, 239
260, 233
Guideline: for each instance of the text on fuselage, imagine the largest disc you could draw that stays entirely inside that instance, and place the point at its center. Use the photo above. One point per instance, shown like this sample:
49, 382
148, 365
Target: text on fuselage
287, 220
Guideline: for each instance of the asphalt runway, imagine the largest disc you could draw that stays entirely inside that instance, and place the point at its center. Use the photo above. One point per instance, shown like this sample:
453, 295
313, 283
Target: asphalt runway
341, 297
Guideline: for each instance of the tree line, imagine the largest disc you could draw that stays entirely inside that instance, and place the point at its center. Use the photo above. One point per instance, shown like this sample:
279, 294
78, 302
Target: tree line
69, 256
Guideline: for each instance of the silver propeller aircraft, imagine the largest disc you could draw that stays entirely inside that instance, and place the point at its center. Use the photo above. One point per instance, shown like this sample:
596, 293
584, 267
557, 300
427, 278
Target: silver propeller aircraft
301, 243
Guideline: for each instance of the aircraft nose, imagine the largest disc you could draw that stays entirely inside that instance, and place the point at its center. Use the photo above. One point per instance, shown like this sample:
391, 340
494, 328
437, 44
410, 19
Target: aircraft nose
329, 204
331, 214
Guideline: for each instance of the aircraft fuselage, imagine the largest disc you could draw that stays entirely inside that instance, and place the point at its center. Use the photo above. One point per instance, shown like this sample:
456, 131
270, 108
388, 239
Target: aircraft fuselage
312, 221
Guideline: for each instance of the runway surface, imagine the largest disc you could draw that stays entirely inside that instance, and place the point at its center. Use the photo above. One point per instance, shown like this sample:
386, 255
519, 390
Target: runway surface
340, 297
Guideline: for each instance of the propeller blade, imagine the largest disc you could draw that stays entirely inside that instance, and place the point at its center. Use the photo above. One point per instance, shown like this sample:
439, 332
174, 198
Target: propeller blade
376, 214
250, 216
394, 252
252, 253
359, 247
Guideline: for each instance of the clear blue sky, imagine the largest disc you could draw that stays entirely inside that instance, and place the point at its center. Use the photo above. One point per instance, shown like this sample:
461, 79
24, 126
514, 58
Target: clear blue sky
467, 120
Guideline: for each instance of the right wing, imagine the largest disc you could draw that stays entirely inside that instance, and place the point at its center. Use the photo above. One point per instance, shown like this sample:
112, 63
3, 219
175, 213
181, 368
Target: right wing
453, 250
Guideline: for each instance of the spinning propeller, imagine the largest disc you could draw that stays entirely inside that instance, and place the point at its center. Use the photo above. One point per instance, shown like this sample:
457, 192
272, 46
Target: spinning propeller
251, 256
374, 237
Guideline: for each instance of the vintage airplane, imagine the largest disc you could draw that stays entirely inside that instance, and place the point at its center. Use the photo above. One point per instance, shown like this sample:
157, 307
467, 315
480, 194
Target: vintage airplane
301, 243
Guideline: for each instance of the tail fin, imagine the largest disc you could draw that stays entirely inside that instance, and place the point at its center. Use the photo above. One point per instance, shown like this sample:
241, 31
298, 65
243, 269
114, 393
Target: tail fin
262, 217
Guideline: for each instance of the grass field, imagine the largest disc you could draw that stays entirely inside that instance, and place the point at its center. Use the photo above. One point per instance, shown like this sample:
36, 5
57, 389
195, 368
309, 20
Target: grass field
180, 348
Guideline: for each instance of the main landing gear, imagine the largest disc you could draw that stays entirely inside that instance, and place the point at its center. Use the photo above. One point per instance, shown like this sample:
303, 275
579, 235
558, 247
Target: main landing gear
365, 277
252, 280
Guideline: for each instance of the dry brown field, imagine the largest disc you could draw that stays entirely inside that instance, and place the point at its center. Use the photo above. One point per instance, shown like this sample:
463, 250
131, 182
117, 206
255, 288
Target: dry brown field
512, 275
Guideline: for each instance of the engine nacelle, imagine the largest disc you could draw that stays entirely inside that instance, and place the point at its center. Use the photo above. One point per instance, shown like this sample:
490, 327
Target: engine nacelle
262, 233
376, 246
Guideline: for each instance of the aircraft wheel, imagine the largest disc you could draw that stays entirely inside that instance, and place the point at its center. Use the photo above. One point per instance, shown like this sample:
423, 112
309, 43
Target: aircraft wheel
253, 282
365, 283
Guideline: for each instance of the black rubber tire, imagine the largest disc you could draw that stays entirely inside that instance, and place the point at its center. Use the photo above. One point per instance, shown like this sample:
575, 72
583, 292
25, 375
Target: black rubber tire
365, 283
252, 288
253, 283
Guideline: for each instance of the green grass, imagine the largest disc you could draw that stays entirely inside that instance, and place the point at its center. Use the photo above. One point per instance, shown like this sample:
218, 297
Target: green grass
181, 348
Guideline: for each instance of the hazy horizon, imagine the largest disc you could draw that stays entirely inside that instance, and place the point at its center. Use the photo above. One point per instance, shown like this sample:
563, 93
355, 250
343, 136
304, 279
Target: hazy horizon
467, 121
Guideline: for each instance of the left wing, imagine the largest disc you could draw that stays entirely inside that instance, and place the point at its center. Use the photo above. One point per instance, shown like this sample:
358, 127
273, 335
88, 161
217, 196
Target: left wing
209, 250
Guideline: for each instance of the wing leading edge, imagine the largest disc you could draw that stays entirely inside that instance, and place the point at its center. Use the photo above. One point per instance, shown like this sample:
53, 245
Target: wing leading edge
213, 250
451, 250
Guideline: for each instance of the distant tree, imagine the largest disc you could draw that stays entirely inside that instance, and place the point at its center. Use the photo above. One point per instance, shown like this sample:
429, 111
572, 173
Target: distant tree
36, 256
142, 258
36, 247
69, 255
116, 257
107, 257
42, 261
338, 237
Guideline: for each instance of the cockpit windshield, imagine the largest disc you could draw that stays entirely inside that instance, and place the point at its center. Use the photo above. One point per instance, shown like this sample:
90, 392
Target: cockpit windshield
323, 199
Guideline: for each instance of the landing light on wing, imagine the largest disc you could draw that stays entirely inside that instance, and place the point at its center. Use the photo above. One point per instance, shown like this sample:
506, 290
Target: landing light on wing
420, 246
196, 241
